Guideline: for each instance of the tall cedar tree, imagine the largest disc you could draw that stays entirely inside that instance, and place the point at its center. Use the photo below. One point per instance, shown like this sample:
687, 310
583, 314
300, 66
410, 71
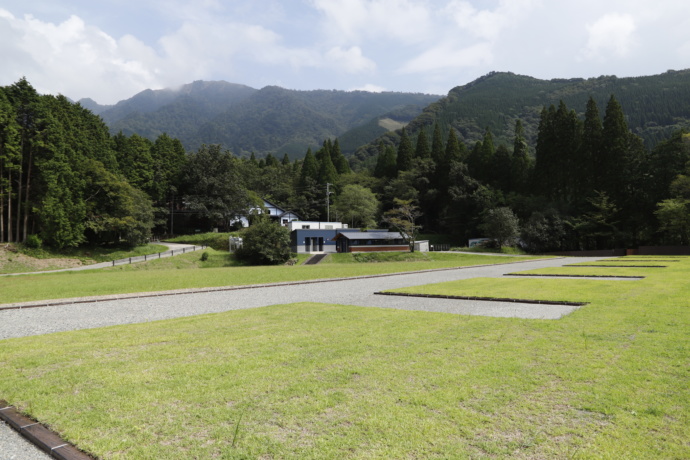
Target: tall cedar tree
437, 149
520, 161
422, 148
405, 153
590, 168
310, 170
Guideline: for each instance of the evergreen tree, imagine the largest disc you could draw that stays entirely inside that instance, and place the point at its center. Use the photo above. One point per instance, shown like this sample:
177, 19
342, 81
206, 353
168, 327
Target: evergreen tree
327, 171
405, 154
590, 168
437, 149
422, 148
272, 161
615, 158
520, 161
501, 165
310, 170
545, 168
339, 161
386, 162
9, 159
286, 160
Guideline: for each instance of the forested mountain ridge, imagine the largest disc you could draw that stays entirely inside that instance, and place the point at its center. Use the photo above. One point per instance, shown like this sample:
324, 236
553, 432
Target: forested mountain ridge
655, 106
270, 120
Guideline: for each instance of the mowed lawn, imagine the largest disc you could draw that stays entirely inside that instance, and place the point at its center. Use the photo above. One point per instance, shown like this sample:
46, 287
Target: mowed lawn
187, 271
610, 380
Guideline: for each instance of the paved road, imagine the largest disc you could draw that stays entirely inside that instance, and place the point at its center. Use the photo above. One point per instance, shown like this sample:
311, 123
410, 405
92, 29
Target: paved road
44, 320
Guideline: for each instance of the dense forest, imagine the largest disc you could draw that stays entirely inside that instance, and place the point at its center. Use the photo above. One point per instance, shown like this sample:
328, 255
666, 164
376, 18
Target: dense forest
589, 182
654, 107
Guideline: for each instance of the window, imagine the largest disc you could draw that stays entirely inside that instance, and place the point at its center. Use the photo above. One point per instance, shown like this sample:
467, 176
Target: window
305, 227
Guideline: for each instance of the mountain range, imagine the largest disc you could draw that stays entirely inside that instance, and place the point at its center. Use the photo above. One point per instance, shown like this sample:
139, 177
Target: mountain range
268, 120
279, 121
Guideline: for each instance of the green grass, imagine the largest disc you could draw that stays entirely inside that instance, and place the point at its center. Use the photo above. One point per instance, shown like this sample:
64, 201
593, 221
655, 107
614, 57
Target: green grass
323, 381
183, 273
219, 241
35, 260
481, 249
94, 254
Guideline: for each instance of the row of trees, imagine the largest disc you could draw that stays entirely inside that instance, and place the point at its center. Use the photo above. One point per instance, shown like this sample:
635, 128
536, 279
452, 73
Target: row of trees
65, 180
590, 185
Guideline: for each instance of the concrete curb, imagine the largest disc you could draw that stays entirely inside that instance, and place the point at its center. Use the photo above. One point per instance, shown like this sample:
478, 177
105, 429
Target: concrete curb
43, 438
490, 299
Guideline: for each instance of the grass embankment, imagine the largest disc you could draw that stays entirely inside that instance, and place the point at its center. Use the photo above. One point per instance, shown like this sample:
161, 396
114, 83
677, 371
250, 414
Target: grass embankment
321, 381
218, 241
160, 276
20, 259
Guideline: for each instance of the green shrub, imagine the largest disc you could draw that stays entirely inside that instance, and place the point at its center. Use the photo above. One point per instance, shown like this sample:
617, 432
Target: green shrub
204, 256
265, 243
33, 242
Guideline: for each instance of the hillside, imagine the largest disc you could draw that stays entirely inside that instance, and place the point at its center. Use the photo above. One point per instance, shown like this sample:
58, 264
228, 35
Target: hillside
245, 120
654, 106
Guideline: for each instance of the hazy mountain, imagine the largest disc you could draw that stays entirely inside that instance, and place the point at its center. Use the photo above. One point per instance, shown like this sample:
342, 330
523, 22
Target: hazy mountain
94, 106
245, 120
654, 106
178, 112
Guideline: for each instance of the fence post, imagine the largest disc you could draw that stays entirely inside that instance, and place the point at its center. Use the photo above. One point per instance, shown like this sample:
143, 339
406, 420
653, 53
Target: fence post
113, 263
130, 260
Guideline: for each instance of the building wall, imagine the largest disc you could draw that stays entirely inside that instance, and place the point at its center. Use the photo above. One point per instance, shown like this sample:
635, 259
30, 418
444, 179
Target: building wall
298, 237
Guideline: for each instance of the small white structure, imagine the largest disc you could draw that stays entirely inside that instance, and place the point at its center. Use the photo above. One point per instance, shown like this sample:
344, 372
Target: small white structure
312, 225
421, 246
235, 243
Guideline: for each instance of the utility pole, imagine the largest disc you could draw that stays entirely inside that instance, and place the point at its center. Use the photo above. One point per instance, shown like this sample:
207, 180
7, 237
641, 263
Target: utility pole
328, 202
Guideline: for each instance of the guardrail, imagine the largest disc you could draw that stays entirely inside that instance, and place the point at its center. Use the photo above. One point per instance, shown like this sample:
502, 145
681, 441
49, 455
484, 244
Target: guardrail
160, 255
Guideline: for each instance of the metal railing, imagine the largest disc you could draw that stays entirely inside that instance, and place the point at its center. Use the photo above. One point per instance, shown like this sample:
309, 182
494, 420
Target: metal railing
159, 255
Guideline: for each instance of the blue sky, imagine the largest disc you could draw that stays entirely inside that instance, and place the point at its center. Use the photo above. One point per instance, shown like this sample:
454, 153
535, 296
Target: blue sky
109, 50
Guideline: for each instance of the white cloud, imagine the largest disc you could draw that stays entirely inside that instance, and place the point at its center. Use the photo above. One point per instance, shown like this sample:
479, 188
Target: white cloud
350, 60
370, 88
357, 21
74, 59
448, 57
612, 35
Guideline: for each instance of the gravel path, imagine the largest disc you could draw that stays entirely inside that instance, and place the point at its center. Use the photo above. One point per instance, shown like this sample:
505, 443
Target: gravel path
44, 320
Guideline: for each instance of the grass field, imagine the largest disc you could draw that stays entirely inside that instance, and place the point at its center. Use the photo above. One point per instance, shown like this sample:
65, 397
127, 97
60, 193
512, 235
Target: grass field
323, 381
23, 260
182, 272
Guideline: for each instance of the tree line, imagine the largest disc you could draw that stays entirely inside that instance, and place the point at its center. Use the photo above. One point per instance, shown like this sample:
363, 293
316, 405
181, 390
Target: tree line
66, 181
590, 183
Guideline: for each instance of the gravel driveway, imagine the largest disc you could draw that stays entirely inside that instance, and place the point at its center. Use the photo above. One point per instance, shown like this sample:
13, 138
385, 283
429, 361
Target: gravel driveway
44, 320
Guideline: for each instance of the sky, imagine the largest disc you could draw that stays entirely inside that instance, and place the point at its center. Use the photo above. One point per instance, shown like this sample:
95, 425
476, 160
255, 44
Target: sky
109, 50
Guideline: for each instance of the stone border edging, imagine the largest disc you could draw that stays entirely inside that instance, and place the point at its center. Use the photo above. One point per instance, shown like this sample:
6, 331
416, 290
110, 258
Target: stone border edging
490, 299
618, 266
45, 439
577, 276
107, 298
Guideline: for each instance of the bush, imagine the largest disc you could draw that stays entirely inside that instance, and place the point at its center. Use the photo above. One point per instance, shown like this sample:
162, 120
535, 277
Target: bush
33, 242
204, 256
265, 243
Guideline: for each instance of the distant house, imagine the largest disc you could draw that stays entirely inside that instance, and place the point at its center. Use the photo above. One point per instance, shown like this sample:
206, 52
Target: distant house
310, 236
370, 241
275, 212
